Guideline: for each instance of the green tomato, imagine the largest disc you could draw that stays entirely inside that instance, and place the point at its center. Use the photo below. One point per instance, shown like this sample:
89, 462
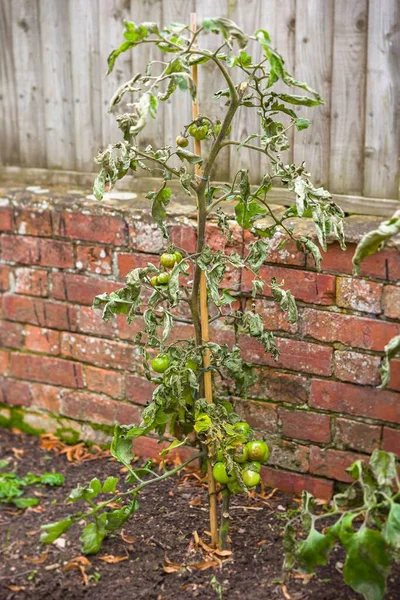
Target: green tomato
255, 465
192, 364
242, 427
218, 126
257, 450
266, 455
154, 281
240, 454
167, 260
220, 456
163, 279
160, 363
199, 129
234, 487
182, 141
221, 475
250, 478
178, 256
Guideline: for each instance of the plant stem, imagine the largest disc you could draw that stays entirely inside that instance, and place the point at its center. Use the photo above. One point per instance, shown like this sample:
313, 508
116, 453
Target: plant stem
224, 529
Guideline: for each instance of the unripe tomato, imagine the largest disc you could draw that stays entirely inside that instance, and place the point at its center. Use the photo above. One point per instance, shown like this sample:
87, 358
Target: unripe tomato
242, 427
240, 454
250, 478
218, 126
199, 129
154, 280
163, 278
160, 363
266, 455
257, 450
182, 141
234, 487
221, 475
192, 364
255, 465
167, 260
178, 256
220, 456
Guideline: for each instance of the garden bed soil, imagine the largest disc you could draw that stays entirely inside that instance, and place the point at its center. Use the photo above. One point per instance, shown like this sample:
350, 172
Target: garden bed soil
159, 534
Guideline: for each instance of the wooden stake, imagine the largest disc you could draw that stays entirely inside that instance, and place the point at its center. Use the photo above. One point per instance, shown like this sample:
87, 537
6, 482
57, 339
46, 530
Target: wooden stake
208, 392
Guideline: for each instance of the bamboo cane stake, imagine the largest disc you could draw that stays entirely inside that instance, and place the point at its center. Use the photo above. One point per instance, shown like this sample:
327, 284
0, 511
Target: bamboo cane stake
208, 392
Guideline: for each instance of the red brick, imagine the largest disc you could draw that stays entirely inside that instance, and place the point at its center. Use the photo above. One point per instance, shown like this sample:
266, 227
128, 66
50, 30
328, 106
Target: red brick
285, 254
391, 440
355, 400
4, 360
105, 229
97, 409
6, 218
127, 331
37, 251
184, 236
4, 278
39, 339
381, 265
287, 454
47, 370
304, 425
80, 288
394, 383
357, 368
391, 301
106, 382
145, 236
273, 317
332, 463
295, 483
94, 259
54, 315
11, 335
260, 415
15, 393
294, 355
151, 448
33, 282
359, 294
31, 222
91, 321
138, 389
356, 435
315, 288
217, 241
45, 397
280, 387
359, 332
127, 261
100, 352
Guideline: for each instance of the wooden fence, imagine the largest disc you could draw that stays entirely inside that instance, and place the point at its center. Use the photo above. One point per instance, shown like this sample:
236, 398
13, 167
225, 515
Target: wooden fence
54, 93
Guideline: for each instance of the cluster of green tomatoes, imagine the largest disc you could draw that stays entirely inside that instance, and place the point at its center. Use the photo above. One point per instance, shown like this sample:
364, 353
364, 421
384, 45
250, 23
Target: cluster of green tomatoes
248, 457
167, 260
200, 129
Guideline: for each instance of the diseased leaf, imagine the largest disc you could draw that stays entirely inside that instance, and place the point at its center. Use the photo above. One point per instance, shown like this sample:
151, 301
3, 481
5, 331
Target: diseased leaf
229, 30
375, 240
246, 214
285, 299
190, 157
161, 199
314, 551
391, 349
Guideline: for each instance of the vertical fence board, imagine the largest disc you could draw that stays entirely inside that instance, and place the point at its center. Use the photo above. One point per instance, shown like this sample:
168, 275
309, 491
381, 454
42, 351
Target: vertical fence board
314, 22
57, 84
9, 148
347, 97
112, 13
382, 136
85, 67
29, 83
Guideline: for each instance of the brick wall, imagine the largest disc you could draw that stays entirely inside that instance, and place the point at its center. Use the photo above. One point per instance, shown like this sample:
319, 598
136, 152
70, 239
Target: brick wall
318, 405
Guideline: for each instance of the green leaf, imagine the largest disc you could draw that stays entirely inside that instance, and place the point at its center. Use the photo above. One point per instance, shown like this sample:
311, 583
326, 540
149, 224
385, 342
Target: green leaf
374, 241
190, 157
115, 53
121, 446
52, 531
25, 502
117, 517
302, 124
246, 214
391, 349
93, 535
52, 479
110, 485
391, 529
314, 551
299, 100
367, 563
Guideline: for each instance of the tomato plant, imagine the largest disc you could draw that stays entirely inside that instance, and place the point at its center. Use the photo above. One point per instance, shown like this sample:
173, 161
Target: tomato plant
186, 371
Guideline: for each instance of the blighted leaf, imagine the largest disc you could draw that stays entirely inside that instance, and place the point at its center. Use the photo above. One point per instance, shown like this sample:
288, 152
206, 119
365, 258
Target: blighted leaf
383, 466
258, 252
285, 299
312, 249
391, 349
229, 30
161, 199
391, 529
190, 157
314, 550
374, 241
299, 100
246, 214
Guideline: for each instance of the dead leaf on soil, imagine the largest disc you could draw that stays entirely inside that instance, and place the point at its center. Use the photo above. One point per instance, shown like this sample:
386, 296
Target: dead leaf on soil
76, 453
197, 501
207, 564
306, 577
15, 588
127, 538
171, 567
18, 453
36, 560
111, 559
80, 562
285, 592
